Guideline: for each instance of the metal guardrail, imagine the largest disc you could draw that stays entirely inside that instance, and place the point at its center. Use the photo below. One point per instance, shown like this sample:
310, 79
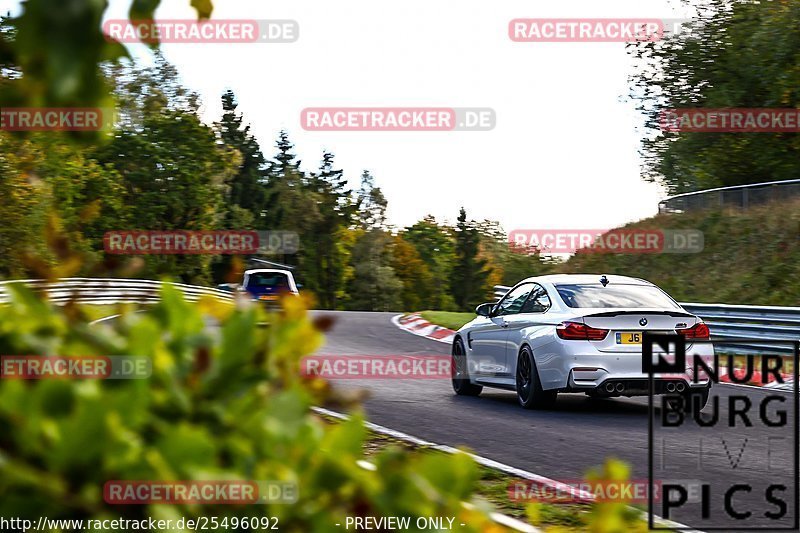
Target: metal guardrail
110, 290
741, 196
737, 328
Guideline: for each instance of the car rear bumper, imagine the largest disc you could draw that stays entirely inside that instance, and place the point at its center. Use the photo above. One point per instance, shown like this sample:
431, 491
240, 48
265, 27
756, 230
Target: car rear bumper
639, 386
582, 370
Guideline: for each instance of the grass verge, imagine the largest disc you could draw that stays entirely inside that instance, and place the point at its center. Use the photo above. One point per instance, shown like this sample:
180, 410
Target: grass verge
96, 311
447, 319
493, 488
749, 257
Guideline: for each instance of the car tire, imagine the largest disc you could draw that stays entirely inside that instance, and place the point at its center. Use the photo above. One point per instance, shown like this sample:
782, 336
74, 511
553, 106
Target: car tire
701, 396
529, 389
460, 369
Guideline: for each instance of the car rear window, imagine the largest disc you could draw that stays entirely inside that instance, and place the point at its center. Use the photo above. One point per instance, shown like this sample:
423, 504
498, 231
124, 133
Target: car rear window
269, 280
614, 295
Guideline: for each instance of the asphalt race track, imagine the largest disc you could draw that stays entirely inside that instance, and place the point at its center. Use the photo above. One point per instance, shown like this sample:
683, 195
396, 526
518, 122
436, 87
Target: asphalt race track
580, 433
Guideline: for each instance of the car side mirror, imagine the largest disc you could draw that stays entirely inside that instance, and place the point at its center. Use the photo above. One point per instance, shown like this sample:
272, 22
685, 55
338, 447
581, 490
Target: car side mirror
484, 309
299, 286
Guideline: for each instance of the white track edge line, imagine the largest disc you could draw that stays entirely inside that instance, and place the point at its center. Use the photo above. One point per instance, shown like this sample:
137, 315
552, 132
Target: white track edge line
497, 517
484, 461
103, 319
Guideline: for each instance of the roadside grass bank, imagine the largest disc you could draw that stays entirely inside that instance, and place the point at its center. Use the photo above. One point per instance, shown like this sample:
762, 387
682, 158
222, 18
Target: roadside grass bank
749, 257
447, 319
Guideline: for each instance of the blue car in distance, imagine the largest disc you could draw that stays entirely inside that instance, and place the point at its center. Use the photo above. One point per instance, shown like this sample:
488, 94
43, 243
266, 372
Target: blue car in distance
268, 285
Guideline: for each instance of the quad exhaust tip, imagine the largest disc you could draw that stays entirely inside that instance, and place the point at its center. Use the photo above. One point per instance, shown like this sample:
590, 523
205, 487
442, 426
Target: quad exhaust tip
620, 387
680, 387
609, 387
670, 387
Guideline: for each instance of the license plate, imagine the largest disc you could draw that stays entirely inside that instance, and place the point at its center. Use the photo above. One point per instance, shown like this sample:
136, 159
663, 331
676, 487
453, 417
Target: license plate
629, 337
269, 298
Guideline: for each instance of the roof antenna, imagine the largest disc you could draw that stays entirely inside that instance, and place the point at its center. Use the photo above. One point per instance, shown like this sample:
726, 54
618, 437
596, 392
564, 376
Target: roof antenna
603, 280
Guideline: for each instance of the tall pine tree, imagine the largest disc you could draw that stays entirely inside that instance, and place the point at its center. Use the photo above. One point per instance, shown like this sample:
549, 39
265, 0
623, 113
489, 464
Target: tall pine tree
327, 254
469, 277
292, 202
374, 285
246, 188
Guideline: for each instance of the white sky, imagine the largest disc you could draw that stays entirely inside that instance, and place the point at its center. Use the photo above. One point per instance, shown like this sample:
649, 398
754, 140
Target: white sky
564, 153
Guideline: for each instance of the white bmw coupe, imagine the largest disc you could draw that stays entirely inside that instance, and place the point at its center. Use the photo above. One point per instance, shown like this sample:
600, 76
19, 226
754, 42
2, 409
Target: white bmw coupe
575, 333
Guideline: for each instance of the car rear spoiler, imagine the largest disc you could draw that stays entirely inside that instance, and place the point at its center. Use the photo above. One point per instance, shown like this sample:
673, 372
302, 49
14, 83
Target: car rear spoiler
611, 314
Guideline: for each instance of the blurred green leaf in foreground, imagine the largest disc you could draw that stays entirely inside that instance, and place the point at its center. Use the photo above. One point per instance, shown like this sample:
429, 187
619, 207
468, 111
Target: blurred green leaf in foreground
222, 403
51, 54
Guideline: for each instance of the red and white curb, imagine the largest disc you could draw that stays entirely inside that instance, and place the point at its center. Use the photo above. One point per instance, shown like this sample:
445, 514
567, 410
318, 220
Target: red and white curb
414, 323
755, 380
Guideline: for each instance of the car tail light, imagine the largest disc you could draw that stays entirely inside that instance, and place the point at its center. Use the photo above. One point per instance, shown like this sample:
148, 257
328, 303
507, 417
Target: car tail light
698, 331
576, 331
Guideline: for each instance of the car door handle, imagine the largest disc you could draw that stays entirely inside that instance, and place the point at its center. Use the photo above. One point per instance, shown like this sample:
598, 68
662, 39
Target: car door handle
504, 324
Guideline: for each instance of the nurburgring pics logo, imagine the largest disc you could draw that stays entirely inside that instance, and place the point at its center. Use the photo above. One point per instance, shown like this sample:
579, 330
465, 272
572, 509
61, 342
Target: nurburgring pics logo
173, 242
35, 367
398, 119
617, 241
740, 445
605, 30
204, 31
227, 492
730, 120
55, 118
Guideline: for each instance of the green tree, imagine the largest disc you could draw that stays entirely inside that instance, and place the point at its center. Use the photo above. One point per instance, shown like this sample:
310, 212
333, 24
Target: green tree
59, 48
371, 203
292, 204
45, 182
468, 282
507, 263
435, 245
174, 172
327, 254
246, 187
414, 274
374, 285
738, 54
284, 179
20, 205
246, 195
